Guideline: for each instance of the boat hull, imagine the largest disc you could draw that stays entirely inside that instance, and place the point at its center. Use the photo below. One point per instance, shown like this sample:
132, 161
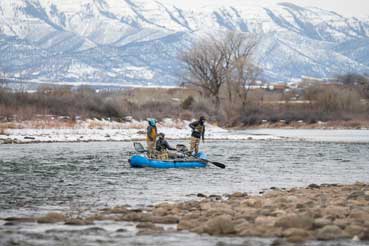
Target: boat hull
138, 161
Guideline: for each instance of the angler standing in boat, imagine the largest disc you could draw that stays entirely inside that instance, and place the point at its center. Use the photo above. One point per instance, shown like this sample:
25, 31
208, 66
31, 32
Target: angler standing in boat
162, 147
198, 132
151, 137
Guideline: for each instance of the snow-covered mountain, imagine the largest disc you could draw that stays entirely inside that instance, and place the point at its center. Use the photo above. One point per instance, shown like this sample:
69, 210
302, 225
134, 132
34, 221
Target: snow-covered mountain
138, 41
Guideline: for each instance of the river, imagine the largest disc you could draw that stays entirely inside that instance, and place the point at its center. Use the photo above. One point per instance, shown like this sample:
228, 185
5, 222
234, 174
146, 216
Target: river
72, 177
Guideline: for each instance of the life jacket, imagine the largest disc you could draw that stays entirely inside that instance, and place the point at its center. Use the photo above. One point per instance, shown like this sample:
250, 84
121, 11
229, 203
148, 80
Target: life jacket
151, 132
198, 130
161, 145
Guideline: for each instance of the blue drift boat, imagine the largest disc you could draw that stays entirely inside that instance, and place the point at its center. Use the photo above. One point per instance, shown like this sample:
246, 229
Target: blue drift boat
139, 161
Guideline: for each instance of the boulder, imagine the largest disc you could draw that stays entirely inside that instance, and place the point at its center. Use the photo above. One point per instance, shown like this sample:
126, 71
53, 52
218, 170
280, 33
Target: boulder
265, 220
237, 195
199, 229
20, 219
356, 195
215, 197
296, 235
160, 211
78, 221
359, 216
189, 224
191, 216
51, 217
330, 232
260, 231
220, 225
206, 205
314, 186
136, 217
252, 202
335, 212
241, 225
117, 210
364, 235
354, 230
278, 213
247, 213
145, 225
292, 199
295, 221
169, 219
121, 230
342, 223
321, 222
150, 230
219, 209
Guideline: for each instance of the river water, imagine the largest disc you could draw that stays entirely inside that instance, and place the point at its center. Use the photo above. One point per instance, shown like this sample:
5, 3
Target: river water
69, 177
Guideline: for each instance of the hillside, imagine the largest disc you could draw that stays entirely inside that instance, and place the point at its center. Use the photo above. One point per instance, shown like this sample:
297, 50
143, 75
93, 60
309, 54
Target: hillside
129, 42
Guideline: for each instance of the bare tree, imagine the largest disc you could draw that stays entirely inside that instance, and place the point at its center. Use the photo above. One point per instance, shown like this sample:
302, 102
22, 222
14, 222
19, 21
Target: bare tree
226, 60
245, 75
358, 81
3, 80
239, 48
205, 66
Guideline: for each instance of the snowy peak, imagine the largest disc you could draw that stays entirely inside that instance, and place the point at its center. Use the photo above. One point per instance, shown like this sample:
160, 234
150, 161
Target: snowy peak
138, 41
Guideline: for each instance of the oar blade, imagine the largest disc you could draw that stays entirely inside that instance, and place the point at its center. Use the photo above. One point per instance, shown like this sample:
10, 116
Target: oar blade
218, 164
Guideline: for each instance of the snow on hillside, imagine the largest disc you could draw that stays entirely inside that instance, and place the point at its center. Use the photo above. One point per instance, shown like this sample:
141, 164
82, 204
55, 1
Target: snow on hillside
138, 41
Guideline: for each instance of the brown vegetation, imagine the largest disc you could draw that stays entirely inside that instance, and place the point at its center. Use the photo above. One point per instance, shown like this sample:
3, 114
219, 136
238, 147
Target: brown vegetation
67, 104
222, 68
309, 105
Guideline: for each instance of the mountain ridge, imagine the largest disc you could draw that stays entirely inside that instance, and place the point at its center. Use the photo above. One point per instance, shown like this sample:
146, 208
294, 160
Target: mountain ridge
138, 42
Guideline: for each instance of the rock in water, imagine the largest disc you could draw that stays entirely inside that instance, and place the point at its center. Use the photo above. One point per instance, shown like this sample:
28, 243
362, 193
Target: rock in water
330, 232
220, 225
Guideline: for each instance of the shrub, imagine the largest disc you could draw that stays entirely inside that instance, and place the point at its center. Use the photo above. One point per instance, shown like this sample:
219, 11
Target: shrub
187, 103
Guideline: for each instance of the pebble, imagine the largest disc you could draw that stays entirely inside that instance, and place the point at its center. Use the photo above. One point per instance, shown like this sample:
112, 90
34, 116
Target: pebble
317, 212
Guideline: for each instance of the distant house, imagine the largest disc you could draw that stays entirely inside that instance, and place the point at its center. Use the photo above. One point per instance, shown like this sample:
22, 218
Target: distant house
280, 87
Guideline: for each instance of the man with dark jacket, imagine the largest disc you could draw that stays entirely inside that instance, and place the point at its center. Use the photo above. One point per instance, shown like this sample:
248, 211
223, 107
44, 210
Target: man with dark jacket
198, 132
162, 147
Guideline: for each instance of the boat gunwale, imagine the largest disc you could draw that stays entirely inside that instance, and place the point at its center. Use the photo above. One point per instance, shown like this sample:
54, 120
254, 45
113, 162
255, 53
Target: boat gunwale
178, 160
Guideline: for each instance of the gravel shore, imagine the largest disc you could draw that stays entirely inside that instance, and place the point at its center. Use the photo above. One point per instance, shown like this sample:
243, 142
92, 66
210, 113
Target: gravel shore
317, 212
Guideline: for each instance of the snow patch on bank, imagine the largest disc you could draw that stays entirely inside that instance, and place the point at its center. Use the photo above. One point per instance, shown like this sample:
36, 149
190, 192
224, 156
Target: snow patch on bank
103, 130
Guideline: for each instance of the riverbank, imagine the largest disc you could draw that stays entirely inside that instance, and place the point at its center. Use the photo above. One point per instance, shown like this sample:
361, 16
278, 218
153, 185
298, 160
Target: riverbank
104, 130
329, 125
92, 130
317, 212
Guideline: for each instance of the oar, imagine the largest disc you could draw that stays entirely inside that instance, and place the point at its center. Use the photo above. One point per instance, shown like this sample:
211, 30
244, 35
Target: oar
218, 164
183, 148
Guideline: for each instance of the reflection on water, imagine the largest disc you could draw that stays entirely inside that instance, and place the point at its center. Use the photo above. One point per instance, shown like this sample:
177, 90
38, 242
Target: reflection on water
37, 178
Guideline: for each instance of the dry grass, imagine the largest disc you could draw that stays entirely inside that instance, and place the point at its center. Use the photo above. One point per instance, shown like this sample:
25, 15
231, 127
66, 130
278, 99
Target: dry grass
41, 109
140, 96
2, 130
5, 126
46, 124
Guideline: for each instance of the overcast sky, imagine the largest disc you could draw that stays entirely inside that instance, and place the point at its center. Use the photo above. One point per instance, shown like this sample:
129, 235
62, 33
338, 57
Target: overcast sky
345, 7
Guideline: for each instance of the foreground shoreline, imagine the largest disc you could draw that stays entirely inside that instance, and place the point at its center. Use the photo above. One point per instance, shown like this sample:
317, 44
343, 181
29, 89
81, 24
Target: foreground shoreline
317, 212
